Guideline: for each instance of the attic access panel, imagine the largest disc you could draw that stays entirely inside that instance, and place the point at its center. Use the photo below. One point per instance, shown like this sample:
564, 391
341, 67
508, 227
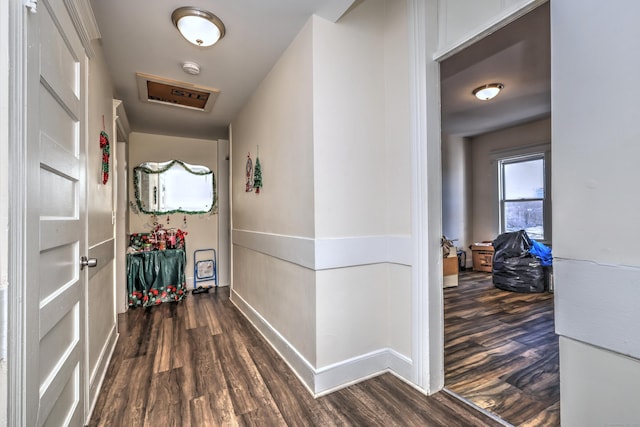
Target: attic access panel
178, 94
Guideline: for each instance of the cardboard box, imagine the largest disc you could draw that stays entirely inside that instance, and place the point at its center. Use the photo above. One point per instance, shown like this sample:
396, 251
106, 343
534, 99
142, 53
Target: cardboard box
450, 271
449, 266
482, 257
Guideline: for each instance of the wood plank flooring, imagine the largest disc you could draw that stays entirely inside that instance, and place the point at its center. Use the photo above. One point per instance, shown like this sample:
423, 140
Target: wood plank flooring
200, 363
501, 351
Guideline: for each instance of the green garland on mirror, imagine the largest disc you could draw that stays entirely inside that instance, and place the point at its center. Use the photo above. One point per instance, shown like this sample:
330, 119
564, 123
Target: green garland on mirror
170, 164
211, 211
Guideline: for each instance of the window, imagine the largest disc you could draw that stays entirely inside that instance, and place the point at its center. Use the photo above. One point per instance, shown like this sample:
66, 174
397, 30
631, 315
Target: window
523, 195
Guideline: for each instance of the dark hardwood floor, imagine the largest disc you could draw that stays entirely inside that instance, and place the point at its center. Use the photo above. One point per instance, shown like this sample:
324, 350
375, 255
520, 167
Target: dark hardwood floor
501, 351
200, 363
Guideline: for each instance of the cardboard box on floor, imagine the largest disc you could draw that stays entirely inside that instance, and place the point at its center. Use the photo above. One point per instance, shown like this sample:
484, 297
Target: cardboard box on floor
482, 256
450, 270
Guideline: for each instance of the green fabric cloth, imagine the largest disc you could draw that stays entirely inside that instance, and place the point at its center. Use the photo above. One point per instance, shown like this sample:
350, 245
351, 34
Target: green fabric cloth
155, 277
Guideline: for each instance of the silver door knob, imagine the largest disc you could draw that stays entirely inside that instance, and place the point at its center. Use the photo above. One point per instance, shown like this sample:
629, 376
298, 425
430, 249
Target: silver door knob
87, 262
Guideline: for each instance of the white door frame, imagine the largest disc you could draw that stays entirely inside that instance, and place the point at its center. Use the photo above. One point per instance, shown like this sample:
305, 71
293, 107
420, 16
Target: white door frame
17, 400
425, 55
426, 198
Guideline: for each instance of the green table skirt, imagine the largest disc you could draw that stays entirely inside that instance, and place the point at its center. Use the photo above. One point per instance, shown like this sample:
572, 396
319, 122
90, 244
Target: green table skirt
156, 277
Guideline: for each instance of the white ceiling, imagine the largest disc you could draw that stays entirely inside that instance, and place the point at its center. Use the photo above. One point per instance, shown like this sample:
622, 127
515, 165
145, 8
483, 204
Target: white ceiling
518, 56
139, 37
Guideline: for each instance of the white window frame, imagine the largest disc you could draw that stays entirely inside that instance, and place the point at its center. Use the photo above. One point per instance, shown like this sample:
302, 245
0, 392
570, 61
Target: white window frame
544, 155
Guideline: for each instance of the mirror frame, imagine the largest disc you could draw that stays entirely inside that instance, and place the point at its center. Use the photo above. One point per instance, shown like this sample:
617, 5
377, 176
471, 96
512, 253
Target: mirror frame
163, 167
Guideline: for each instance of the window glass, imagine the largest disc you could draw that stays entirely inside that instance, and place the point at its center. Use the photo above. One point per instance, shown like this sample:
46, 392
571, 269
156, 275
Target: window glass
524, 179
526, 216
522, 195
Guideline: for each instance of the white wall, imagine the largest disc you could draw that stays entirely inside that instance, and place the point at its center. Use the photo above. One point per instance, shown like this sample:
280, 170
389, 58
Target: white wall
278, 118
273, 251
595, 188
456, 192
362, 177
323, 253
202, 229
397, 155
598, 387
282, 293
224, 213
349, 124
101, 312
484, 149
352, 312
99, 195
122, 225
361, 123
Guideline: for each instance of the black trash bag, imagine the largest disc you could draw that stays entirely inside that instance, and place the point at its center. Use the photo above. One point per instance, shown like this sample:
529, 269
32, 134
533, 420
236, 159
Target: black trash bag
514, 268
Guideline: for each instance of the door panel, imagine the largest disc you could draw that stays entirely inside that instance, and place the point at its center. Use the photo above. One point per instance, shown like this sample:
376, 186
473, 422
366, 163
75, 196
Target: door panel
59, 58
55, 268
55, 366
58, 195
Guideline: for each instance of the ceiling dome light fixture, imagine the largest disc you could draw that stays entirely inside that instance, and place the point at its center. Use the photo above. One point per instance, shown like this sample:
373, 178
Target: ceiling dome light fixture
198, 26
488, 91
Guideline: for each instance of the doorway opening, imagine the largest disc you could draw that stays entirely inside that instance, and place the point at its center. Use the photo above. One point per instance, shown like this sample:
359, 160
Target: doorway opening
500, 347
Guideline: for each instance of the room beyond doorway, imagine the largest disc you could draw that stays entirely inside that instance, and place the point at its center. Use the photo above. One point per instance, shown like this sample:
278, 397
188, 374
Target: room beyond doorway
500, 348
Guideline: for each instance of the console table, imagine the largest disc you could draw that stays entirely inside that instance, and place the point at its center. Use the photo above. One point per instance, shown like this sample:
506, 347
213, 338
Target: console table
155, 277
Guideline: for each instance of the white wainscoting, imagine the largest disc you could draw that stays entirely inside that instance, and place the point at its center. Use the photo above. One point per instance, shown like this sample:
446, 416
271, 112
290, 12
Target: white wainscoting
598, 304
97, 376
294, 249
323, 254
104, 252
329, 378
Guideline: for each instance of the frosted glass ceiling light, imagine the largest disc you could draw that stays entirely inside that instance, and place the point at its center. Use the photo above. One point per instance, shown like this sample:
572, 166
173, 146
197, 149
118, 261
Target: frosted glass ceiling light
488, 91
198, 26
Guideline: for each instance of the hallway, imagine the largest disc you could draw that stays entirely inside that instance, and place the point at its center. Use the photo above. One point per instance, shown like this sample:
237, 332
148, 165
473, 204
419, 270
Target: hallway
200, 363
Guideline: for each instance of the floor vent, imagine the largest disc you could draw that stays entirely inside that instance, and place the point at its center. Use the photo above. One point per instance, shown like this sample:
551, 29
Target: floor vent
178, 94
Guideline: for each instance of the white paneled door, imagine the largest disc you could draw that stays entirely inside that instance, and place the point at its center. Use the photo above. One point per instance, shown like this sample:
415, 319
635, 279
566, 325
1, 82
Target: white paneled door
54, 309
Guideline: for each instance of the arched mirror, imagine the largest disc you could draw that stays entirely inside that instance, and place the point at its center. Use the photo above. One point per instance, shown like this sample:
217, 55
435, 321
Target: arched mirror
174, 187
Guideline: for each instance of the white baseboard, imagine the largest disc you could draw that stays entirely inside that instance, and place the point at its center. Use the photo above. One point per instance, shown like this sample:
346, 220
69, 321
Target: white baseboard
300, 366
333, 377
345, 373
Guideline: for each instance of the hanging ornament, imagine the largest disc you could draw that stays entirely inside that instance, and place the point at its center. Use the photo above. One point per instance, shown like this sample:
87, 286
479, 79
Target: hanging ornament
257, 173
104, 144
249, 170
